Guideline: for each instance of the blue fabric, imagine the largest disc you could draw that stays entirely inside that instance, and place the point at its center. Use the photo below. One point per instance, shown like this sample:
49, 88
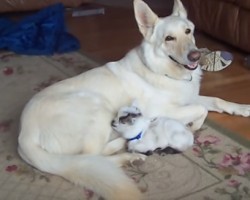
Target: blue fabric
43, 33
136, 137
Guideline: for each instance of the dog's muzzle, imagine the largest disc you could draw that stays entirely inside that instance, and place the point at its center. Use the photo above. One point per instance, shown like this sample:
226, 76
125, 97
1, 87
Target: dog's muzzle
193, 56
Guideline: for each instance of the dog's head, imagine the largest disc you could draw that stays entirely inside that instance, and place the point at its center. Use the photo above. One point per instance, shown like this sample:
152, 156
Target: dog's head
129, 121
171, 38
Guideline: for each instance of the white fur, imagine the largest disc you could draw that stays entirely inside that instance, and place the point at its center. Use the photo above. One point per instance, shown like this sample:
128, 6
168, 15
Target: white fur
65, 129
160, 132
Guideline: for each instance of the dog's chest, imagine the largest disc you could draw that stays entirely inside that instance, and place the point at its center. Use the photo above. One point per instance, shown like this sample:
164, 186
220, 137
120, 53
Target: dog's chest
156, 101
172, 91
155, 96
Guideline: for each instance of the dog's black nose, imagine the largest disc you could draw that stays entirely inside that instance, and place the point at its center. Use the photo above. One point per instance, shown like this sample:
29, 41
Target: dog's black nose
194, 55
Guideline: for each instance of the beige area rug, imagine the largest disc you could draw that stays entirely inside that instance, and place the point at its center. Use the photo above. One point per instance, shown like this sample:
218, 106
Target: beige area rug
216, 168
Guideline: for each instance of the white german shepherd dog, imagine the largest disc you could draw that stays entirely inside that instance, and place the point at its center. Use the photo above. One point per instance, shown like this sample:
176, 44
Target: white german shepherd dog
65, 129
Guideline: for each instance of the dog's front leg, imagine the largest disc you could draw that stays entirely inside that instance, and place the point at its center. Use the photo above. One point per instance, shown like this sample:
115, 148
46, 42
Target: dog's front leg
193, 115
114, 146
220, 105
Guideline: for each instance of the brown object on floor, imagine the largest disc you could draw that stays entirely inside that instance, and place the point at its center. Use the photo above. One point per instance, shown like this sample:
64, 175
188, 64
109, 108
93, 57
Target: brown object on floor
108, 37
227, 20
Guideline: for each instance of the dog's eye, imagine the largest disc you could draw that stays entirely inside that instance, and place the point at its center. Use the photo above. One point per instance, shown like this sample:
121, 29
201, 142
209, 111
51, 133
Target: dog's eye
188, 30
169, 38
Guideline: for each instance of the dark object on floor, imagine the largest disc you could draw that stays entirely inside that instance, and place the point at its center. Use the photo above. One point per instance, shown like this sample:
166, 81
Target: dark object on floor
43, 33
247, 62
86, 10
167, 150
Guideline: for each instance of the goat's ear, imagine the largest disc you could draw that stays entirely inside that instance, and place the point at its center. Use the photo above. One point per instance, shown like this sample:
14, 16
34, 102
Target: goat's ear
145, 17
153, 119
179, 9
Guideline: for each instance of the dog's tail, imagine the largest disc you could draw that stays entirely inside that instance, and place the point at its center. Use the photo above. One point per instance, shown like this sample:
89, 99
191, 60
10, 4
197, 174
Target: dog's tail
95, 172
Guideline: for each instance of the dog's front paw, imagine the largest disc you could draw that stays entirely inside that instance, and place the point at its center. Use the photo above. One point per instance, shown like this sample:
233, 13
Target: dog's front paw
243, 110
233, 108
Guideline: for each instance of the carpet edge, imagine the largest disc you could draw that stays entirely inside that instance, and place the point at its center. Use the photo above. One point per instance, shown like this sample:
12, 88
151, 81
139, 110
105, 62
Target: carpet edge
232, 135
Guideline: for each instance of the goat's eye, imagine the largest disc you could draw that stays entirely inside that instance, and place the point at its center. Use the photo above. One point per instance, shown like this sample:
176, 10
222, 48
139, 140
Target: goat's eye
169, 38
188, 30
123, 120
134, 115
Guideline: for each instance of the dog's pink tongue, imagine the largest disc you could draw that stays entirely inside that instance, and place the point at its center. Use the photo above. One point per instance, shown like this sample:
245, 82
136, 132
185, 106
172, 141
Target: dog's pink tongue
193, 65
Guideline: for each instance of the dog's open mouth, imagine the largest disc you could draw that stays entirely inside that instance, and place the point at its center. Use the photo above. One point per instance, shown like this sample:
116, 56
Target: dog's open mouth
192, 66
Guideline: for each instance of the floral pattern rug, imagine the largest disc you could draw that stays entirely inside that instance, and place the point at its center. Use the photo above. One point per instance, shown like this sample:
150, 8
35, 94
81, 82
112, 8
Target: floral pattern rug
217, 167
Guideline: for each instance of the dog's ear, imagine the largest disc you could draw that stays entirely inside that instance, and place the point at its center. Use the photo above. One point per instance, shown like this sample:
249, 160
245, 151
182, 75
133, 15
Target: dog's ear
145, 17
179, 9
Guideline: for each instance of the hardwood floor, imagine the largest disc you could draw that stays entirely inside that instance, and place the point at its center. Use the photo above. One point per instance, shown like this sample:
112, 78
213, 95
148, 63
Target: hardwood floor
108, 37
